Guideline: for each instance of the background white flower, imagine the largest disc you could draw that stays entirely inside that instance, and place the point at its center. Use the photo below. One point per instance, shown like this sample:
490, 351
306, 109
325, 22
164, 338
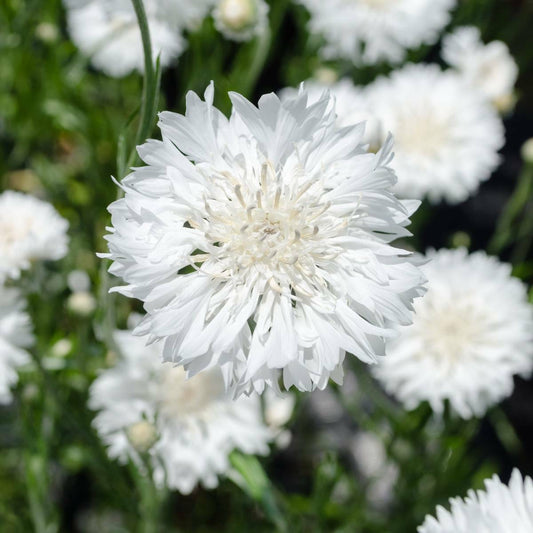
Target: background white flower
30, 230
488, 67
241, 20
275, 216
446, 135
497, 509
107, 31
15, 336
472, 332
370, 31
188, 427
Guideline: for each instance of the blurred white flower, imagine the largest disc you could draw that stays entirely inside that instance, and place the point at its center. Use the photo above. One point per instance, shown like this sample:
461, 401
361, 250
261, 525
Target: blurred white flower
81, 303
372, 461
446, 135
260, 244
30, 230
78, 280
15, 336
107, 31
61, 348
370, 31
188, 427
527, 151
278, 411
472, 332
351, 107
241, 20
489, 68
497, 509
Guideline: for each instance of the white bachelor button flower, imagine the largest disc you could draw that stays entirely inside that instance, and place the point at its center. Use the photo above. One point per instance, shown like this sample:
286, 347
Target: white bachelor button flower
188, 427
497, 509
351, 106
108, 32
261, 244
472, 332
241, 20
446, 135
30, 230
370, 31
488, 67
15, 335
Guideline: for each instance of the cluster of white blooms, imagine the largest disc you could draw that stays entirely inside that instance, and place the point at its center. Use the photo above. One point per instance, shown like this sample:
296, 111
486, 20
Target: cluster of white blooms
107, 30
240, 20
370, 31
188, 427
489, 68
497, 509
472, 332
446, 135
261, 243
15, 336
30, 230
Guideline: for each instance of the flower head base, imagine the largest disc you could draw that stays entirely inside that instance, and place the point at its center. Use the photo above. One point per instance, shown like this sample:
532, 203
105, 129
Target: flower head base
241, 20
260, 244
497, 509
30, 230
187, 427
472, 332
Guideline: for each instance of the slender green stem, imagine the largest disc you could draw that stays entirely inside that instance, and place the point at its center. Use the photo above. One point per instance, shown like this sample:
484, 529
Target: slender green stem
249, 475
151, 83
504, 234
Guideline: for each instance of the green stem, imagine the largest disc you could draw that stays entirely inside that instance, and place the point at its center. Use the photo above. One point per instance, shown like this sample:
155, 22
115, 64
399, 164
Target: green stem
504, 234
249, 475
151, 83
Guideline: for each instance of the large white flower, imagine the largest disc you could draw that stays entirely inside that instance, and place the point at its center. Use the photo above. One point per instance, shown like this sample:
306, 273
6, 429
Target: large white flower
188, 427
472, 332
15, 336
108, 32
446, 134
488, 67
497, 509
261, 243
30, 230
369, 31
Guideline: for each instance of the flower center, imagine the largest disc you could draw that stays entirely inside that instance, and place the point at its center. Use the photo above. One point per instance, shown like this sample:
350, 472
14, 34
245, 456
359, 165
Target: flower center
13, 231
375, 4
179, 397
451, 332
421, 133
280, 231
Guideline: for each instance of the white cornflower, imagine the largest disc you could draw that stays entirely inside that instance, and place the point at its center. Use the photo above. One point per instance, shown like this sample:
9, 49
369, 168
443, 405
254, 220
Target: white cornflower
188, 427
30, 230
15, 336
446, 135
260, 244
370, 31
241, 20
472, 332
108, 32
351, 106
497, 509
489, 68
